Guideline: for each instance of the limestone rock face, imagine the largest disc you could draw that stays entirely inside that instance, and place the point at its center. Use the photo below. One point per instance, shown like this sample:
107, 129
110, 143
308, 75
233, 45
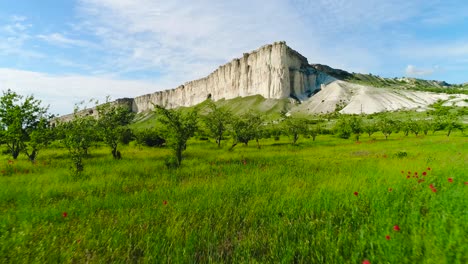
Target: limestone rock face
273, 71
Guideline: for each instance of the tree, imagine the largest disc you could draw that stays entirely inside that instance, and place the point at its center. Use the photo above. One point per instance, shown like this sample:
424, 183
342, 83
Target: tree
343, 127
180, 126
387, 126
294, 127
18, 119
247, 127
39, 138
217, 121
314, 131
355, 123
370, 127
78, 135
113, 121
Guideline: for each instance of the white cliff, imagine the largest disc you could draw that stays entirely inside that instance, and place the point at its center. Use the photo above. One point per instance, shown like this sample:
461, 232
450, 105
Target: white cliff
273, 71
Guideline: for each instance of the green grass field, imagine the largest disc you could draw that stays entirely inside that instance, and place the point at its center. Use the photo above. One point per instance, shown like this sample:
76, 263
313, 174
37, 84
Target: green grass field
277, 204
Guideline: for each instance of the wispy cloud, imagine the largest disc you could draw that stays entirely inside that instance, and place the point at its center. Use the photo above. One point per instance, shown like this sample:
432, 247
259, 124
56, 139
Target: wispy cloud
60, 39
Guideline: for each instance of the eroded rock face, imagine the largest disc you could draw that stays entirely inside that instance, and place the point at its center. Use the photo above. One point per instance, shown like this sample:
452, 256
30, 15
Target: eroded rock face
273, 71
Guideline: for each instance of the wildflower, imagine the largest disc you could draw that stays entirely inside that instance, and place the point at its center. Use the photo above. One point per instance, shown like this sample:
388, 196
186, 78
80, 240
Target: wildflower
421, 180
366, 262
450, 180
396, 228
390, 189
407, 177
424, 173
164, 202
415, 173
10, 162
428, 169
387, 237
356, 193
409, 172
466, 183
434, 190
64, 214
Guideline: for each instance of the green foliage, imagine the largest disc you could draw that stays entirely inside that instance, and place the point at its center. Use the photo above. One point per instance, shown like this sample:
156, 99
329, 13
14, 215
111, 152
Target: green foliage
370, 127
149, 137
180, 127
295, 126
343, 127
247, 127
18, 119
78, 135
112, 124
217, 121
387, 126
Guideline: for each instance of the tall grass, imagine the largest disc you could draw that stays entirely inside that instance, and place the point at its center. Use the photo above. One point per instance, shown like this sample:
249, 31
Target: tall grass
281, 203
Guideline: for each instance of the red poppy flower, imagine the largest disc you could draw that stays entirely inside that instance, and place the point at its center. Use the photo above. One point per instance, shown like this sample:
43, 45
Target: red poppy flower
428, 169
356, 193
431, 186
421, 180
164, 202
387, 237
390, 189
409, 172
366, 262
466, 183
424, 173
402, 171
434, 190
450, 180
415, 173
396, 228
407, 177
65, 214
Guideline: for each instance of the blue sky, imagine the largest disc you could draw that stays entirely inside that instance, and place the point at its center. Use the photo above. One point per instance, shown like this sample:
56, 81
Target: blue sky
67, 51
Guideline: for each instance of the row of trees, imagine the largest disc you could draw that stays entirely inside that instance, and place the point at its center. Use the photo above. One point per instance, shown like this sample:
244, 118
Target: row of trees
25, 127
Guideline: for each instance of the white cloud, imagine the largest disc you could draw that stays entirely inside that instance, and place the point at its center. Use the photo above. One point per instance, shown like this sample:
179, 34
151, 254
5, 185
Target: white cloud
411, 70
59, 39
62, 92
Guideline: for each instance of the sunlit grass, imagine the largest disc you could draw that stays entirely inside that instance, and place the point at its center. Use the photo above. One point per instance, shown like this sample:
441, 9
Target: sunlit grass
280, 203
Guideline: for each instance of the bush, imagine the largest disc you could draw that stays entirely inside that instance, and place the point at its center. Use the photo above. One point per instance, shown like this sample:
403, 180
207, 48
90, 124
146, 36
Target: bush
149, 138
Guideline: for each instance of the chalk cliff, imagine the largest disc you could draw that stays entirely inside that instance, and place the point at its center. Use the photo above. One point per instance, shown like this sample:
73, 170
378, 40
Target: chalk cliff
273, 71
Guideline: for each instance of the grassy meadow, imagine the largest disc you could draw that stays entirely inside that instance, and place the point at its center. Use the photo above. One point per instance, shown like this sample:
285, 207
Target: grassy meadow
325, 201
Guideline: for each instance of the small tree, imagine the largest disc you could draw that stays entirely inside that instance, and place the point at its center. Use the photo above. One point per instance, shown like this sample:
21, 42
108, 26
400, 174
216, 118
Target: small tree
247, 127
39, 138
355, 123
78, 135
343, 127
314, 131
18, 119
113, 121
387, 126
370, 127
217, 121
295, 127
180, 126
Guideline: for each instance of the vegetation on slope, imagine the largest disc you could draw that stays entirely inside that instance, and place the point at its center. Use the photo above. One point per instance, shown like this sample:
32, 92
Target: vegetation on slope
408, 83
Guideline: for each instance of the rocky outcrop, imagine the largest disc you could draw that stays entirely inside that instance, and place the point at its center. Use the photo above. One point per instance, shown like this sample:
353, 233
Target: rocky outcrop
273, 71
